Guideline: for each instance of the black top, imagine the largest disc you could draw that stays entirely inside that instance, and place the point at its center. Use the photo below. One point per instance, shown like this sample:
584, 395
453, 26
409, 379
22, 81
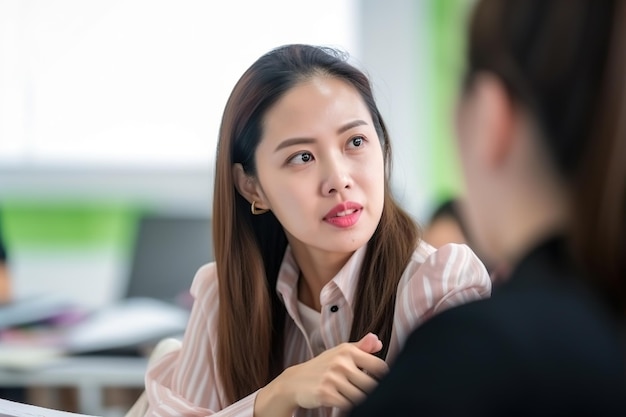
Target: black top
544, 345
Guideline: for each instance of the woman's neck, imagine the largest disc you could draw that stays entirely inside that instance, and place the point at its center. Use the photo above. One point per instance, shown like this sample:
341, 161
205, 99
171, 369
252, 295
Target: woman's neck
534, 216
317, 268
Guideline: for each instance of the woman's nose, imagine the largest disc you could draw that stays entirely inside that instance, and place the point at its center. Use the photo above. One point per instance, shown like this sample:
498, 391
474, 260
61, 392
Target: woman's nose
337, 178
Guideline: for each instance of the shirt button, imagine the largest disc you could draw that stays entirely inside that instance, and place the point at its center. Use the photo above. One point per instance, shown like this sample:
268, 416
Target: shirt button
334, 309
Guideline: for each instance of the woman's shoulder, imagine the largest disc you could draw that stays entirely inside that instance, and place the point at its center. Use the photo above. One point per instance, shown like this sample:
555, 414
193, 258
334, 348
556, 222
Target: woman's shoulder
205, 281
451, 265
444, 256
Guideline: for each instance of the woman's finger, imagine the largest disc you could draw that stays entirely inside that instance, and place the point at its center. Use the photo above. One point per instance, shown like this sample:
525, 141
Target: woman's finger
351, 392
370, 364
369, 343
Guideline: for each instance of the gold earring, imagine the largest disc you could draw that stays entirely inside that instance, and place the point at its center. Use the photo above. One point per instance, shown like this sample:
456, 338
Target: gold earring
255, 210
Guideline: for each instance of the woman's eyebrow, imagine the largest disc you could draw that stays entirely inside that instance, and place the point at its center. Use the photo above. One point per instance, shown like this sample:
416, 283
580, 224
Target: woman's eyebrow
306, 141
294, 141
351, 125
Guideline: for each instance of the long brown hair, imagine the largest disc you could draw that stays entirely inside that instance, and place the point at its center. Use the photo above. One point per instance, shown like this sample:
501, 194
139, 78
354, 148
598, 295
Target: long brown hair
565, 62
249, 249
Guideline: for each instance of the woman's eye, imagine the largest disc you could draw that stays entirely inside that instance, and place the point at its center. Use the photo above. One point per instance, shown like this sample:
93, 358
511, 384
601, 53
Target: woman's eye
357, 141
301, 158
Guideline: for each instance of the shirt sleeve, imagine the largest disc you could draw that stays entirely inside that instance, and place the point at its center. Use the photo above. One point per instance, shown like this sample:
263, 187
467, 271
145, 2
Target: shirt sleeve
449, 276
185, 382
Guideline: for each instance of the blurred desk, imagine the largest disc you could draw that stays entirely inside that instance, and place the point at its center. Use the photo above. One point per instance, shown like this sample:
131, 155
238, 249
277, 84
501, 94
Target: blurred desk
89, 374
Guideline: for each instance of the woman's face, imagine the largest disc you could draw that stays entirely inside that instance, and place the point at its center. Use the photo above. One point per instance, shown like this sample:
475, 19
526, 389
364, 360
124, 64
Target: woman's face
320, 166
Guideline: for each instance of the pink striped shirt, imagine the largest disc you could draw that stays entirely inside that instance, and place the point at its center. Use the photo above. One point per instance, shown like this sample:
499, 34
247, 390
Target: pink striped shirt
186, 383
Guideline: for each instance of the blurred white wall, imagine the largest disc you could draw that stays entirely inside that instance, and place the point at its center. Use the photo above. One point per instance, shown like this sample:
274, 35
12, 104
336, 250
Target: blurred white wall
395, 43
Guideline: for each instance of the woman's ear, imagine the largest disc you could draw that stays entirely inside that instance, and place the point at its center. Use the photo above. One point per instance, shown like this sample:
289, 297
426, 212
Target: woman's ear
249, 187
498, 115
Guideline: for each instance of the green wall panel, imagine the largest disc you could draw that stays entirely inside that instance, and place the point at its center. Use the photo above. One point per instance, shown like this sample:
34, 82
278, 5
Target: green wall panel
67, 225
448, 20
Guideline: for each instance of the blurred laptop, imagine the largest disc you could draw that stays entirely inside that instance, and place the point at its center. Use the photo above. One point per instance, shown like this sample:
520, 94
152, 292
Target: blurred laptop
168, 252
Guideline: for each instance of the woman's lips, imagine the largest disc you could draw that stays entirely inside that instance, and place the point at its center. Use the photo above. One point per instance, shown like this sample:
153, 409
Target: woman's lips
344, 214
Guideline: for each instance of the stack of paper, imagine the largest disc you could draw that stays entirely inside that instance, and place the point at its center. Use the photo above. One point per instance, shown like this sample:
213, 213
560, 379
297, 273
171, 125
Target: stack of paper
129, 326
14, 409
34, 309
128, 323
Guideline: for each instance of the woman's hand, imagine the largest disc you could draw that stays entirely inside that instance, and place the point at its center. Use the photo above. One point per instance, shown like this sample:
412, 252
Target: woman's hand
339, 377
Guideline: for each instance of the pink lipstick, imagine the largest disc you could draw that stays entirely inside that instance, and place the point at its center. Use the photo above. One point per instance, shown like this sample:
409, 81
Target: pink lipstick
344, 215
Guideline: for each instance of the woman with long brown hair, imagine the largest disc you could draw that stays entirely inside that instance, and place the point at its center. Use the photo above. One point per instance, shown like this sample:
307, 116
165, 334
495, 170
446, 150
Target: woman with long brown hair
319, 274
542, 138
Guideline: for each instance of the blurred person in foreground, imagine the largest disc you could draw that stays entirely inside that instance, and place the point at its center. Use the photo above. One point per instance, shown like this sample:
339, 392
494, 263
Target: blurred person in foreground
542, 136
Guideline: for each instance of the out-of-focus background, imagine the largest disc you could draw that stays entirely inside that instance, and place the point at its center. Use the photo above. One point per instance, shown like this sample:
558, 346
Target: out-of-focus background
109, 115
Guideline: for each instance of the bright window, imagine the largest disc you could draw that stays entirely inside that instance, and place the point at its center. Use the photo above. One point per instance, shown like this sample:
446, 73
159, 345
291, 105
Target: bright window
138, 83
